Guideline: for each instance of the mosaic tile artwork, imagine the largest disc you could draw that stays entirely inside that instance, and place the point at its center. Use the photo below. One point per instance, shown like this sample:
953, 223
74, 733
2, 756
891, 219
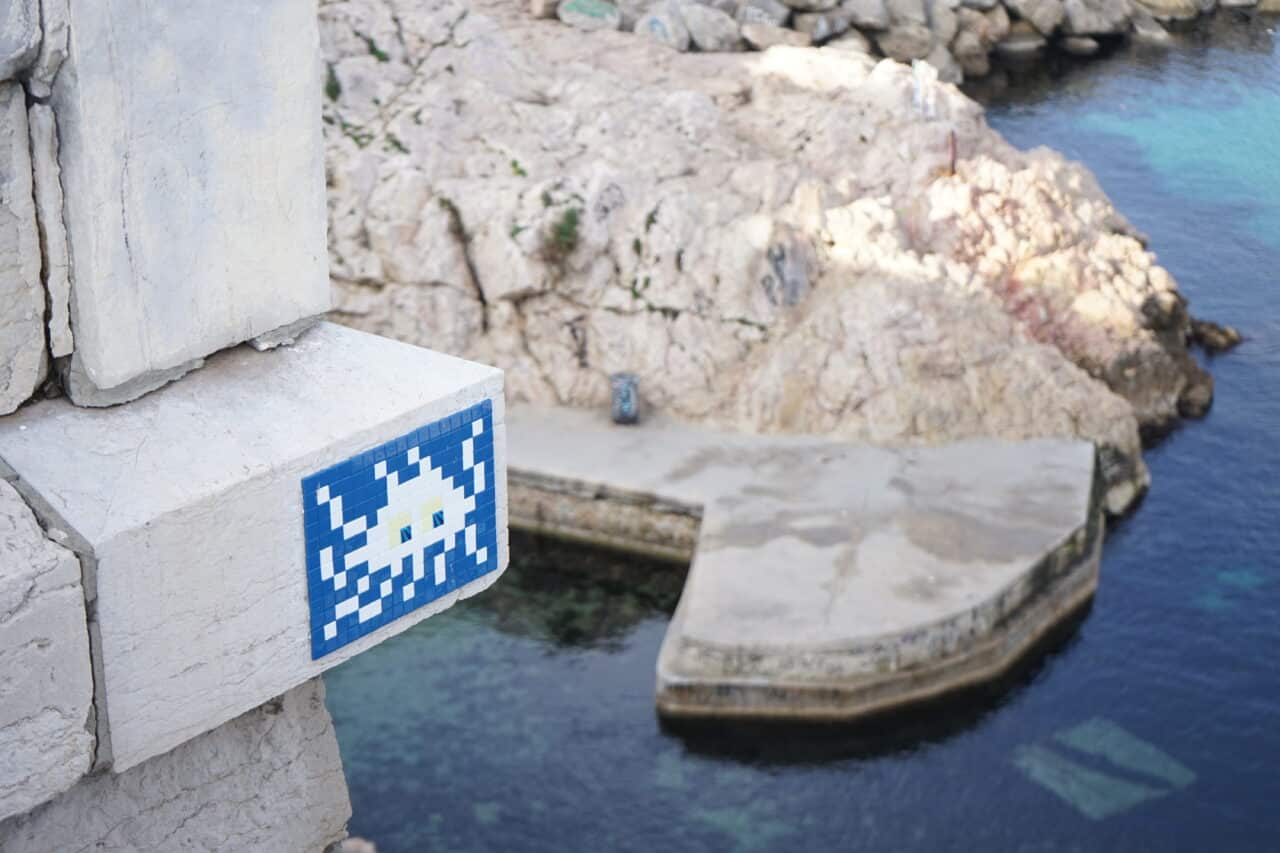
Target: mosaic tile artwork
398, 526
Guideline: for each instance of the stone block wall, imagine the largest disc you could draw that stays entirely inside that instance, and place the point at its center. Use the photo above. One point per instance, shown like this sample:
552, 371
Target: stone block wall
269, 780
181, 560
46, 690
177, 205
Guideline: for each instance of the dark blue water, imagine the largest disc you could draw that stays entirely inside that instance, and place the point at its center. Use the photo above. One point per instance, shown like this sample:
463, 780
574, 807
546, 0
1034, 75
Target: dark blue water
523, 720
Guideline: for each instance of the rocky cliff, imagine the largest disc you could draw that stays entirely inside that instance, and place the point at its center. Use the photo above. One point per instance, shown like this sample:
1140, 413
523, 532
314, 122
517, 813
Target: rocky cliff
796, 240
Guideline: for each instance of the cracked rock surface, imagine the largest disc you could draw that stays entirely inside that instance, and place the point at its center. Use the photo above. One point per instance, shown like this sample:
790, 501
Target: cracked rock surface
773, 242
22, 349
270, 779
46, 689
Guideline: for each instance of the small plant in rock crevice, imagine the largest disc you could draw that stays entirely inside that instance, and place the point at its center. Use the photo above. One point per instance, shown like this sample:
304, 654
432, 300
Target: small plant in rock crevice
562, 238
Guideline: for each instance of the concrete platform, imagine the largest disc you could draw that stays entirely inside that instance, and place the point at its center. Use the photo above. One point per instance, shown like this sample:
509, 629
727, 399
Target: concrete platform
828, 581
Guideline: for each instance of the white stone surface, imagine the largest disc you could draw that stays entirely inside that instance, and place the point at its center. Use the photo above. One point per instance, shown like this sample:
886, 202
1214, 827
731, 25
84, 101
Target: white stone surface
270, 780
53, 47
22, 352
189, 504
19, 36
46, 690
53, 236
193, 174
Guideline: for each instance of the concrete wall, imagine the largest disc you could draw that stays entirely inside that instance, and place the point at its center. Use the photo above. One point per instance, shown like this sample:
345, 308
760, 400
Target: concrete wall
270, 780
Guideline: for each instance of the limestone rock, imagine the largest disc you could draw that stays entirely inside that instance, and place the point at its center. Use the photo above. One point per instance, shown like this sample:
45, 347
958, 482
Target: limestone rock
907, 11
589, 15
821, 27
1022, 43
22, 341
971, 53
1045, 15
53, 47
853, 42
1148, 31
543, 8
769, 12
905, 42
998, 24
949, 71
943, 21
1213, 337
867, 14
19, 36
980, 5
1269, 6
710, 29
1171, 10
1237, 4
765, 36
1096, 17
664, 24
1080, 45
53, 236
812, 5
715, 176
46, 689
271, 779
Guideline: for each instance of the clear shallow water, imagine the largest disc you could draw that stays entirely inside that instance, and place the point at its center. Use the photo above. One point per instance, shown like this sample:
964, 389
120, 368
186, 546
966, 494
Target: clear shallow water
522, 720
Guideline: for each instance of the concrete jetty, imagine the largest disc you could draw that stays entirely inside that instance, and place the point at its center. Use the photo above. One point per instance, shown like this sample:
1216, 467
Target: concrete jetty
827, 581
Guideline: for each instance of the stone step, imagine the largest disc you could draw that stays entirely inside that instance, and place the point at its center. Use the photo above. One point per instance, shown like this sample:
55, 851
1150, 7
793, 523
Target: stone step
828, 580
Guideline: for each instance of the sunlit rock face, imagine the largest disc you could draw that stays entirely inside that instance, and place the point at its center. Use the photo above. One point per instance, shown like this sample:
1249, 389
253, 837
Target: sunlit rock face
797, 240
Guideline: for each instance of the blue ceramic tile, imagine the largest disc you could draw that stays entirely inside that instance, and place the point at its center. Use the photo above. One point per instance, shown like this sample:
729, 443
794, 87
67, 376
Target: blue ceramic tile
412, 514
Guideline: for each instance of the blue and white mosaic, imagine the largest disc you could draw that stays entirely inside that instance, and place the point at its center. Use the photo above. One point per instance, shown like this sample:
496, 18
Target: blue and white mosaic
398, 526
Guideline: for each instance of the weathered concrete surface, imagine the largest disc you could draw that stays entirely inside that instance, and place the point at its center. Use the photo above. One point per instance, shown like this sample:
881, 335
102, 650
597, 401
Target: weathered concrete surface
22, 351
187, 503
46, 690
192, 166
829, 580
269, 780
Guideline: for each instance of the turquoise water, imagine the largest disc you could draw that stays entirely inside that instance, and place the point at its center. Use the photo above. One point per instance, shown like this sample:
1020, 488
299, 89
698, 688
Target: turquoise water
523, 720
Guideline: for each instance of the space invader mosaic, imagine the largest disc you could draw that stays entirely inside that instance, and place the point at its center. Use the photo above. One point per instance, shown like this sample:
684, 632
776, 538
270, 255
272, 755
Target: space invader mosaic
398, 526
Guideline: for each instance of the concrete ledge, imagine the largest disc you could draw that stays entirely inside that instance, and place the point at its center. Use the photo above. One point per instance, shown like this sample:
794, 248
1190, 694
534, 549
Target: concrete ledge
208, 594
829, 581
